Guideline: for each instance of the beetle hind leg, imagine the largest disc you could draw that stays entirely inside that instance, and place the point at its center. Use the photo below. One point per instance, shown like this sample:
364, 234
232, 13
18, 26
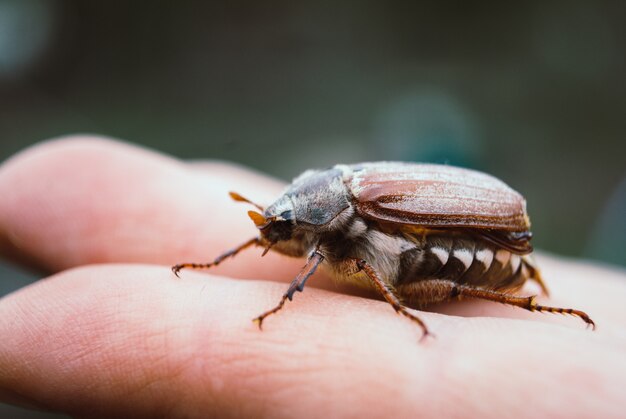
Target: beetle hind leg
539, 280
533, 273
573, 312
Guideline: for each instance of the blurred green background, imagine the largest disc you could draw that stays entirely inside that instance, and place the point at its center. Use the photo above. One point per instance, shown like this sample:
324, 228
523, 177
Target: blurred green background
534, 93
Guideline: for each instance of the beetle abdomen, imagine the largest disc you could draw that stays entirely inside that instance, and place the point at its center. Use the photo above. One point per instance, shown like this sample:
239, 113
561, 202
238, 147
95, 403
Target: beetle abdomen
462, 259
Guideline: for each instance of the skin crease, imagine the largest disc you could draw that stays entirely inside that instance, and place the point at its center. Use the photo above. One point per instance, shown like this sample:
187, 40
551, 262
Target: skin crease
113, 333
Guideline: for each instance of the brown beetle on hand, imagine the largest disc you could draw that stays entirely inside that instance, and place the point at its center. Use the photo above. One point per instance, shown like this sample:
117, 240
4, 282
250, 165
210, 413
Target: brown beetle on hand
424, 233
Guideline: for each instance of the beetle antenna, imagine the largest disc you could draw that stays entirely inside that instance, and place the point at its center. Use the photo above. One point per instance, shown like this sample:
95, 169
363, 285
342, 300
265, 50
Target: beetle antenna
259, 220
236, 197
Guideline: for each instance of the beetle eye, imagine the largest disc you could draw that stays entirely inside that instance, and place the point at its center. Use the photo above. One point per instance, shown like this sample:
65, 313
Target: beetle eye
279, 231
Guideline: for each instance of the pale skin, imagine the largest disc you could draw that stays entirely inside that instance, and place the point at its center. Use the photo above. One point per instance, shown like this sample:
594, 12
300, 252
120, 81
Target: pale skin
112, 332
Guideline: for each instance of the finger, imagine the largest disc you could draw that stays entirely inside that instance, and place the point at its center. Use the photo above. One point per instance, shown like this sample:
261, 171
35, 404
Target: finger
230, 170
88, 200
128, 204
128, 340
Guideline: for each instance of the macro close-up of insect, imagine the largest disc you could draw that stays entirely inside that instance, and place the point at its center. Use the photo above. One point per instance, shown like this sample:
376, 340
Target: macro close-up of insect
416, 233
312, 209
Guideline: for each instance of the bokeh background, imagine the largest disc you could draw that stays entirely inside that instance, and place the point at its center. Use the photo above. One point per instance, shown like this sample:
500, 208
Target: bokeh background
534, 93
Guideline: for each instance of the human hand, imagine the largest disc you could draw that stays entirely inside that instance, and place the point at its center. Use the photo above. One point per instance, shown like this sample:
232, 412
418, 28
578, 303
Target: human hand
114, 333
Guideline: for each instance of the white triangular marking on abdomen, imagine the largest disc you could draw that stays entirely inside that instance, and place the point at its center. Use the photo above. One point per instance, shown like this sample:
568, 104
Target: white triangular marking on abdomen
503, 256
485, 256
515, 261
441, 253
465, 256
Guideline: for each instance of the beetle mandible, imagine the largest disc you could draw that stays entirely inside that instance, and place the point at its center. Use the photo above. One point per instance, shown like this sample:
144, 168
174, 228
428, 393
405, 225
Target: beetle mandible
422, 233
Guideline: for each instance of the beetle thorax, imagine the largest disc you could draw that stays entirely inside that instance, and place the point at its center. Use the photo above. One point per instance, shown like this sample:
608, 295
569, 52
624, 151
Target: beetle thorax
316, 203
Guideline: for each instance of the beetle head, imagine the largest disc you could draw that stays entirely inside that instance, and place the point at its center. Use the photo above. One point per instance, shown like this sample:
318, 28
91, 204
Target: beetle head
310, 206
277, 222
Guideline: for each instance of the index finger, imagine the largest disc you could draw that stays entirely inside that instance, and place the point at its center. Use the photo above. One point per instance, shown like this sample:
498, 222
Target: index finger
85, 200
88, 200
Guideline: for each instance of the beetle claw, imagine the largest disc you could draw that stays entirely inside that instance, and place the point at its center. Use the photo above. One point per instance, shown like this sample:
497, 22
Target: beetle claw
427, 334
259, 322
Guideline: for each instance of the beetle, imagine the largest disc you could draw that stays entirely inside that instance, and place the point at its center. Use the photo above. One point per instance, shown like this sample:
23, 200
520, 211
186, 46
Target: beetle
420, 233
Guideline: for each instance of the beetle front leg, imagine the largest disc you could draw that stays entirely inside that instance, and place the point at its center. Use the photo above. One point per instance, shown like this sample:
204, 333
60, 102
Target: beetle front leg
232, 252
296, 285
387, 291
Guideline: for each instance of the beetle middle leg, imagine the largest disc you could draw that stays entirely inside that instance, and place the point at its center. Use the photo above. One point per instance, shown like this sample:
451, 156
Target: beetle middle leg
230, 253
296, 285
388, 292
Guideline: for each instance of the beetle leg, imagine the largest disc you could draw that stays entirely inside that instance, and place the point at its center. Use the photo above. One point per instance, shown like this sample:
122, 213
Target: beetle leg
232, 252
534, 274
539, 280
388, 292
440, 290
296, 285
527, 303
